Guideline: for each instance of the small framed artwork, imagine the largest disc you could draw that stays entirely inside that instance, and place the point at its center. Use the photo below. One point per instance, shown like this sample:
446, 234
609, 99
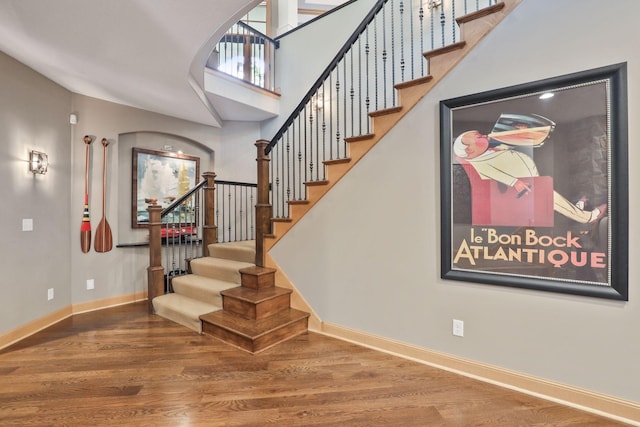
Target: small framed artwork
534, 185
160, 177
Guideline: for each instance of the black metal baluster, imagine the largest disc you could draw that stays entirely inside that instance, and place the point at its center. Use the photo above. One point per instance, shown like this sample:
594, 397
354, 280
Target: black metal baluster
316, 107
275, 191
337, 112
229, 213
375, 61
235, 210
384, 56
453, 20
360, 85
294, 161
253, 221
352, 95
302, 170
324, 124
344, 105
331, 115
432, 27
442, 23
309, 153
393, 53
217, 209
367, 99
289, 176
402, 61
421, 18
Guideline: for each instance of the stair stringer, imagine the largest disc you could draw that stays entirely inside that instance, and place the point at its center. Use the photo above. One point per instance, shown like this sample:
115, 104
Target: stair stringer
297, 300
473, 28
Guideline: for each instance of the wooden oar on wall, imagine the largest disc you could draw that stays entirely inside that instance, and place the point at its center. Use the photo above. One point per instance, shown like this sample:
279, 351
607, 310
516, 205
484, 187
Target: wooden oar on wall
104, 239
85, 228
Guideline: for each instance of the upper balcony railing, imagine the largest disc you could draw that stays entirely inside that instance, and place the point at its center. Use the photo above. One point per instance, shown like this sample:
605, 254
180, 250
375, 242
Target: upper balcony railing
247, 54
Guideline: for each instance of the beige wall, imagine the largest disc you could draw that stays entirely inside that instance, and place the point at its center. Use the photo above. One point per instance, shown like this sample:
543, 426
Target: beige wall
34, 115
123, 270
367, 256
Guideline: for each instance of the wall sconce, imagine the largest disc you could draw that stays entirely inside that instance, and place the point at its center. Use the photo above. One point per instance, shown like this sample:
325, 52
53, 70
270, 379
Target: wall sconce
38, 162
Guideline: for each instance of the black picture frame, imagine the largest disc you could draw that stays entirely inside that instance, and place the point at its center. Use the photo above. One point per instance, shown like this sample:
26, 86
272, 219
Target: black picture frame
566, 229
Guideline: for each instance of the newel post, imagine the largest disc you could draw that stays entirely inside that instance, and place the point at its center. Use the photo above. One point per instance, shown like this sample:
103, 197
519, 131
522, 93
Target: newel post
263, 207
209, 228
155, 272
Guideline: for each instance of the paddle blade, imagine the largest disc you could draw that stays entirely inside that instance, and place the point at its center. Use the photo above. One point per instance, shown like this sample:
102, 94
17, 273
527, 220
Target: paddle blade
104, 239
85, 227
85, 240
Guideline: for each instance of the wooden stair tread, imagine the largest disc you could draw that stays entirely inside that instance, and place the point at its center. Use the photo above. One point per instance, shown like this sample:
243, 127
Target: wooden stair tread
283, 219
253, 329
257, 271
297, 202
414, 82
255, 296
480, 13
386, 111
443, 50
362, 137
313, 183
337, 161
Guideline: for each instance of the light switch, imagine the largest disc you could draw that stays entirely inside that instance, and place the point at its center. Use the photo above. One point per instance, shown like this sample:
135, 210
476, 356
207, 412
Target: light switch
27, 224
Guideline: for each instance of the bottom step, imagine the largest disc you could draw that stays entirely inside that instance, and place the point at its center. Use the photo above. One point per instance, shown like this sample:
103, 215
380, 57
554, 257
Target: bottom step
183, 310
255, 335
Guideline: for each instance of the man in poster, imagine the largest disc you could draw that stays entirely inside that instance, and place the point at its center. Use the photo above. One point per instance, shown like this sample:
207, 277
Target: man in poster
494, 157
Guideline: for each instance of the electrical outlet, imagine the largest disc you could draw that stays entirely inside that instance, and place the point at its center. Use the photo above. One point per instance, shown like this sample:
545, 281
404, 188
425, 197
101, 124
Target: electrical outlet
49, 294
90, 284
458, 328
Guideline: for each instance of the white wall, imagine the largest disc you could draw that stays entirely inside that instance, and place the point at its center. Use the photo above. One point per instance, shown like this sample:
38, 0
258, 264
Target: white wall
367, 255
306, 52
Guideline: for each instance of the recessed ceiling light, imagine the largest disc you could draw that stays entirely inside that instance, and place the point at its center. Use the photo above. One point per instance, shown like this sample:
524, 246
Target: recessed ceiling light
547, 95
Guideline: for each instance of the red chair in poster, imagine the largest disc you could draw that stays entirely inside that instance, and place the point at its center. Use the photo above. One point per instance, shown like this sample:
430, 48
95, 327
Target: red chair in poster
495, 204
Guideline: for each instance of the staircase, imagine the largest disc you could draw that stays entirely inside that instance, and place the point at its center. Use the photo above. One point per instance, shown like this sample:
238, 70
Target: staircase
473, 28
227, 295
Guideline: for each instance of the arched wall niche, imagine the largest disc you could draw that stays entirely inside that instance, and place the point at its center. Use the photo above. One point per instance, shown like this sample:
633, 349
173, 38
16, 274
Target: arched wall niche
150, 140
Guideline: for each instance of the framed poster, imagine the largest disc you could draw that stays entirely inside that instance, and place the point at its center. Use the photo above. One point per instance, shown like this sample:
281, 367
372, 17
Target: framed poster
534, 188
162, 176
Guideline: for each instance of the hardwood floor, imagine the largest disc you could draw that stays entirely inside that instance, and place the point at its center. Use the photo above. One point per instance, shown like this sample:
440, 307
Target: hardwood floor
123, 367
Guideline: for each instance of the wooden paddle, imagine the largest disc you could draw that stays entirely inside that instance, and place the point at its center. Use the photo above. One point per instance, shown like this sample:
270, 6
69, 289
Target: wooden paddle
85, 228
104, 240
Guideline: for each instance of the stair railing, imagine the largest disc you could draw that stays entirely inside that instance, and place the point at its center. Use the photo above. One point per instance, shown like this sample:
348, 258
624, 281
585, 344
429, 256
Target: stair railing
386, 49
247, 54
184, 230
